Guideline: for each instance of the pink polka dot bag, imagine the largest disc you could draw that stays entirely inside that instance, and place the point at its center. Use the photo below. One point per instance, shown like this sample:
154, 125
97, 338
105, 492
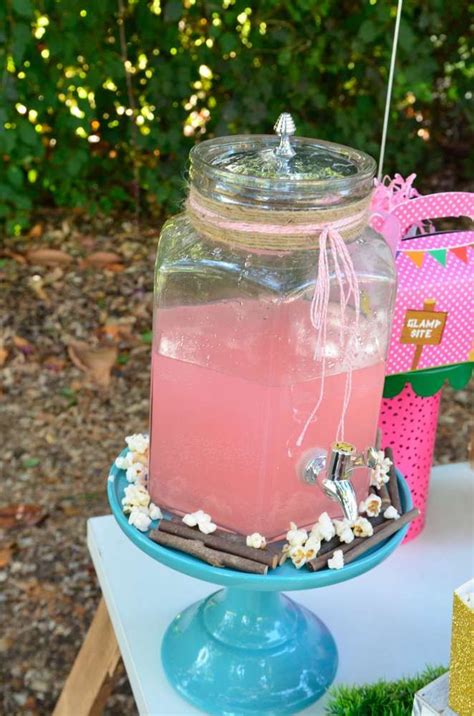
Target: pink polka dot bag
433, 324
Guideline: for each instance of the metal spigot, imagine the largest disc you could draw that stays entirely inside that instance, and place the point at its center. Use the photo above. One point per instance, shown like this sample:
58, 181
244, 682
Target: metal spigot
285, 127
338, 466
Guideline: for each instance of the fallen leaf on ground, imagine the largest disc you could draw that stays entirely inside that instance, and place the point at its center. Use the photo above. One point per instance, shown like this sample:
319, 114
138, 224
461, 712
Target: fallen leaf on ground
36, 231
40, 591
36, 285
23, 345
53, 276
21, 515
48, 257
71, 510
115, 268
116, 331
97, 362
102, 259
3, 355
6, 643
54, 363
6, 555
19, 258
87, 241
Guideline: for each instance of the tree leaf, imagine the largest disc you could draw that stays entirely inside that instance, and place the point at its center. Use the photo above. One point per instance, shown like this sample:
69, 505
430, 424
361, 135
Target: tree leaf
368, 31
27, 133
23, 7
15, 176
173, 11
21, 37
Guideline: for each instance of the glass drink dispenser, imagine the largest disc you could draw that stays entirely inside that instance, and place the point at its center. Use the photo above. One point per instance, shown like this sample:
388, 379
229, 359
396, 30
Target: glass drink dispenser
273, 302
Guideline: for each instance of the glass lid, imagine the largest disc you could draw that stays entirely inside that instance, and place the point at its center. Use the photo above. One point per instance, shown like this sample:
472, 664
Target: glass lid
283, 157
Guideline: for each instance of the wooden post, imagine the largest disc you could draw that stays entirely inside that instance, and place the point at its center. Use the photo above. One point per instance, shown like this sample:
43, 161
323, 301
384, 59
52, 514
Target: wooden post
90, 680
428, 305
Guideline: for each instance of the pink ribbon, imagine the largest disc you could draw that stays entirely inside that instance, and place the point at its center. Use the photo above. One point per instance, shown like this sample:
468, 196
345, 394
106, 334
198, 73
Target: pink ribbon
343, 269
387, 195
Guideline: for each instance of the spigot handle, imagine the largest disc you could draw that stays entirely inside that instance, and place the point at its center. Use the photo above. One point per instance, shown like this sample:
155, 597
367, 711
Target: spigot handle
340, 462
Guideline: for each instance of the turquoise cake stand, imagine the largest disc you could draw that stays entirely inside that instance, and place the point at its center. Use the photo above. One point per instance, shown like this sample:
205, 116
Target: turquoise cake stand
248, 648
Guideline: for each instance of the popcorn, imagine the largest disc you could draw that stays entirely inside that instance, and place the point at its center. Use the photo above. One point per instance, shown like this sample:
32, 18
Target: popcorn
301, 553
344, 530
337, 560
141, 457
362, 528
138, 443
154, 512
136, 500
347, 536
256, 540
296, 537
207, 527
202, 516
313, 543
316, 532
125, 461
325, 527
341, 526
135, 496
380, 472
201, 520
137, 472
391, 513
371, 506
139, 519
298, 556
311, 550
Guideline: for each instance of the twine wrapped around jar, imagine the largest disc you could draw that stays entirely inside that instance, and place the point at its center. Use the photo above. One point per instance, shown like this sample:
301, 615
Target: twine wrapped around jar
327, 229
288, 230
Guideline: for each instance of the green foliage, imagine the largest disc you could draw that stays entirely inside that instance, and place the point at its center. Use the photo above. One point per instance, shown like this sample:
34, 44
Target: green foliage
100, 102
385, 698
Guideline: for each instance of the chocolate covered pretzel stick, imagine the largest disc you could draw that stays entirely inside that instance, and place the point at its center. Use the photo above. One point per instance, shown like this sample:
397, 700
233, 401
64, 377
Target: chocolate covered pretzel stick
393, 482
221, 541
213, 557
361, 545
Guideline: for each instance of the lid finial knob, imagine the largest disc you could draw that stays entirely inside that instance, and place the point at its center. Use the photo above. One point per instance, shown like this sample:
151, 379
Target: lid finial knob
285, 127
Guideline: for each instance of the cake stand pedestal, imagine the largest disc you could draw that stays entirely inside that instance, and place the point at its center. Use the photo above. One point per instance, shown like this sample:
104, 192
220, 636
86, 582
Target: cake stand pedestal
248, 649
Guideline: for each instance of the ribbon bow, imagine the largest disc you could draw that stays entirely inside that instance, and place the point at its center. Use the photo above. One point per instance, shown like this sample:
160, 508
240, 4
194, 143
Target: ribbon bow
387, 195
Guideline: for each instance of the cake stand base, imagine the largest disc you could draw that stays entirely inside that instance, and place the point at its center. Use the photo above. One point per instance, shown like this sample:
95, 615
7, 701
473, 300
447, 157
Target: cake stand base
249, 649
249, 652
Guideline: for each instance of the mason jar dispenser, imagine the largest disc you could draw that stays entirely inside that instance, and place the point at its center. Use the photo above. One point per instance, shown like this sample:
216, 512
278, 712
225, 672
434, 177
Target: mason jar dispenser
273, 301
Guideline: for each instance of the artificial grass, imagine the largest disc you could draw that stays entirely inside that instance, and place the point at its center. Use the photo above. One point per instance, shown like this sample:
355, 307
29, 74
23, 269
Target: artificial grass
384, 698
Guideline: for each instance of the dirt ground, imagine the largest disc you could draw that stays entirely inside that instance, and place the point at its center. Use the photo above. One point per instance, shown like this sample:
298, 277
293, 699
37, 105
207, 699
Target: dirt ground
74, 351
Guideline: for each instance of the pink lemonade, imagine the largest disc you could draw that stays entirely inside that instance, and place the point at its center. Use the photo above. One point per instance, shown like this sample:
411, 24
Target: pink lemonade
233, 384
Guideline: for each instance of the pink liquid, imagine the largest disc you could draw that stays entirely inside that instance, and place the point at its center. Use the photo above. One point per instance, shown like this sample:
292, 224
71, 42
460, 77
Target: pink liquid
232, 387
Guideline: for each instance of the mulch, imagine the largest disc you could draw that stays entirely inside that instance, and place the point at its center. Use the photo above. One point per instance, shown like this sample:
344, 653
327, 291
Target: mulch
74, 357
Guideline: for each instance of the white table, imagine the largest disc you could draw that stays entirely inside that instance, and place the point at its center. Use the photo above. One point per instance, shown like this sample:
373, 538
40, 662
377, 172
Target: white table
389, 622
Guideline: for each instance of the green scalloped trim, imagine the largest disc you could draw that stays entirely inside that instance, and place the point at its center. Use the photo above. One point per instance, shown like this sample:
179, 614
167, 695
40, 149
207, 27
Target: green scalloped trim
427, 382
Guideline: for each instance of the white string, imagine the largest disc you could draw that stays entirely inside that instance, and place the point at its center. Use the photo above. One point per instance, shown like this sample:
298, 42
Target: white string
388, 98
